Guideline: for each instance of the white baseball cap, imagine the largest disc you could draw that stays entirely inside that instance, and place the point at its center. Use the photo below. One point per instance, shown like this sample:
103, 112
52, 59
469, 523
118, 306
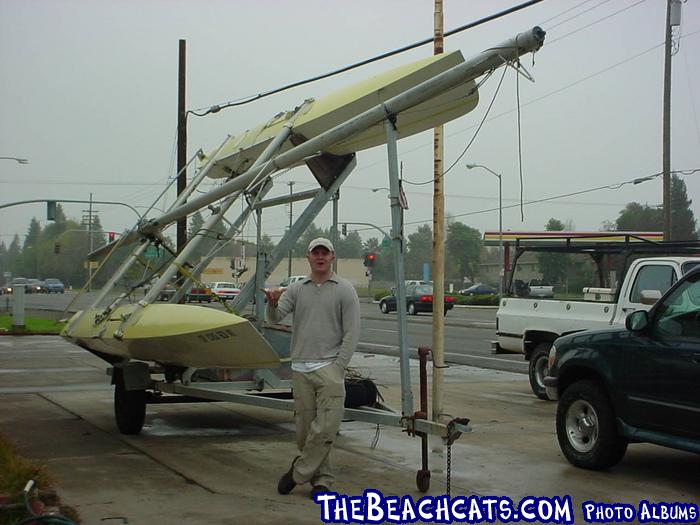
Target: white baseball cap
321, 241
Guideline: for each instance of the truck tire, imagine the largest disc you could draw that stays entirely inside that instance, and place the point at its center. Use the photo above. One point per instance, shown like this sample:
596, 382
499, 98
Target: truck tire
538, 368
412, 309
129, 407
384, 307
586, 427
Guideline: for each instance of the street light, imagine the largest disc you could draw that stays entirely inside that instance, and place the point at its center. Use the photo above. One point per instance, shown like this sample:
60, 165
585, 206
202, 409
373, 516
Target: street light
21, 161
500, 222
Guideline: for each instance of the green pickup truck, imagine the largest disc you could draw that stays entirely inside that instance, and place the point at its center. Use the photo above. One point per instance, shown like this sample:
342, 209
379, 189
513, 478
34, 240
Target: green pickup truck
640, 383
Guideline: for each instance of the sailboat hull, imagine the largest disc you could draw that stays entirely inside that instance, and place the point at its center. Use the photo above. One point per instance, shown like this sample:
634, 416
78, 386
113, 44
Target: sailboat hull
319, 116
173, 334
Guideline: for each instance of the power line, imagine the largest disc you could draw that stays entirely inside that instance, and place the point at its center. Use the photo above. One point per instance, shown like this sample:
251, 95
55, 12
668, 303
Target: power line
614, 186
201, 112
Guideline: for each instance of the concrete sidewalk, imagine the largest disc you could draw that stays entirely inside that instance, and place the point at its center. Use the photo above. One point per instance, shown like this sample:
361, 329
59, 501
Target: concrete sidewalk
211, 463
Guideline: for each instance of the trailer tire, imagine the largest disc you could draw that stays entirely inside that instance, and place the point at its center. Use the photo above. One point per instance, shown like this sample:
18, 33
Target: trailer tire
538, 369
129, 407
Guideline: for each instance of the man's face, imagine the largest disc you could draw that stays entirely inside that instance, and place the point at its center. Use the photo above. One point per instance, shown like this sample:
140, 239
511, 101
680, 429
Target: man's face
320, 259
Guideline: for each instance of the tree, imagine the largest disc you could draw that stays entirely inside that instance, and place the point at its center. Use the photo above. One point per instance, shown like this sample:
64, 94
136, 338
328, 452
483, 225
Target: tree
349, 247
642, 217
683, 224
553, 267
463, 246
29, 256
419, 252
13, 253
4, 263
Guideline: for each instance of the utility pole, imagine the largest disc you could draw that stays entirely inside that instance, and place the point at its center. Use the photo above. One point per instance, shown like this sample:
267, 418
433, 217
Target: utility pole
89, 220
181, 234
438, 243
673, 20
291, 218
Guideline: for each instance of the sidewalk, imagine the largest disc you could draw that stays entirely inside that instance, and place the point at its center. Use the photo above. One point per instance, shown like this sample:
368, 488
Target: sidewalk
218, 463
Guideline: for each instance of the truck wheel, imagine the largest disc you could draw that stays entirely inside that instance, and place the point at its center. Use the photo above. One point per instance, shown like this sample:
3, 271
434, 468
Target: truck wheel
383, 307
586, 428
129, 407
538, 369
412, 309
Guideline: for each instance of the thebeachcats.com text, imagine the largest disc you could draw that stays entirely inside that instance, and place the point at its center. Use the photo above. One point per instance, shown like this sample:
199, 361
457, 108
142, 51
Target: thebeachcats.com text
373, 507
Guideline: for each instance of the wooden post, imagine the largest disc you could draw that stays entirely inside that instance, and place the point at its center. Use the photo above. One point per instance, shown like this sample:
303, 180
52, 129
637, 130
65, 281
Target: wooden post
438, 269
181, 141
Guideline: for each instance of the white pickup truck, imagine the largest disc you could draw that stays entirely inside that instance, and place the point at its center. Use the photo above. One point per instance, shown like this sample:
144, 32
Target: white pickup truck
529, 325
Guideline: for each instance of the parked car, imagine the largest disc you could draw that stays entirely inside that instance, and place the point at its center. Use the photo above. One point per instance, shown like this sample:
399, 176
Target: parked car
292, 279
54, 286
14, 282
34, 286
633, 384
479, 289
419, 298
225, 291
199, 294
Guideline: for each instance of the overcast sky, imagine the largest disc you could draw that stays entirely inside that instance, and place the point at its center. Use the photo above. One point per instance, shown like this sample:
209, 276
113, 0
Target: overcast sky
89, 96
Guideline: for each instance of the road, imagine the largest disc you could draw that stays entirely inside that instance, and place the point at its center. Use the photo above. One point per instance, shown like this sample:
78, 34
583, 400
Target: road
468, 331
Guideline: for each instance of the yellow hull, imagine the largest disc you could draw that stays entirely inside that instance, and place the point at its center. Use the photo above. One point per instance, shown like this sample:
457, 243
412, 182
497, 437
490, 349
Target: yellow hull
173, 334
319, 116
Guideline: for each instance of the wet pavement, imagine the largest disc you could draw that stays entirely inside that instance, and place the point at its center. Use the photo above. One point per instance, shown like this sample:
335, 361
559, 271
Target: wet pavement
220, 462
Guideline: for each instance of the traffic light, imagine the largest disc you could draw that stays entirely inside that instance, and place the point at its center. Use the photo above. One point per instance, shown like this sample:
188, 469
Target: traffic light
110, 236
344, 229
51, 211
56, 248
370, 259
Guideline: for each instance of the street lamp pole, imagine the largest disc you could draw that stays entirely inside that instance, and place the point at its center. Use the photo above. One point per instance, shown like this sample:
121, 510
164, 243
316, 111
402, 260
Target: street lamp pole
21, 161
500, 223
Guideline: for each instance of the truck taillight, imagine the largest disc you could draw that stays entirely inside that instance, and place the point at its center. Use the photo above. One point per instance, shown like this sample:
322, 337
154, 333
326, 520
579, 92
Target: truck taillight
426, 298
449, 299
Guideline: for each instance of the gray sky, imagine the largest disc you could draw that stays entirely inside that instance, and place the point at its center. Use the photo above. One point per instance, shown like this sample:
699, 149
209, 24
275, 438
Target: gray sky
89, 96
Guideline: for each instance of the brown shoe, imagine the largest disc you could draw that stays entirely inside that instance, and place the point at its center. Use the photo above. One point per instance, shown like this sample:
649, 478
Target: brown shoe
318, 489
286, 483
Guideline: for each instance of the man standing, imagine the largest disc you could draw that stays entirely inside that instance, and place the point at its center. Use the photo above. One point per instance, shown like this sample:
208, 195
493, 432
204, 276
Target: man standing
324, 336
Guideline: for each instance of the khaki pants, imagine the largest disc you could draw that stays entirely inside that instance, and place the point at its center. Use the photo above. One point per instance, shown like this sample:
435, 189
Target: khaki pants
319, 401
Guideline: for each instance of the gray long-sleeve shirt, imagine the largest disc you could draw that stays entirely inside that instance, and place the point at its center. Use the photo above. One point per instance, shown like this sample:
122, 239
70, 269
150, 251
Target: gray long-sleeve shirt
326, 319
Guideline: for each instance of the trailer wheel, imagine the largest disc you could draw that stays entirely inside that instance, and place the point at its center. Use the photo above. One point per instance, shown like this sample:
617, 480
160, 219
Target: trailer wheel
538, 369
129, 407
423, 480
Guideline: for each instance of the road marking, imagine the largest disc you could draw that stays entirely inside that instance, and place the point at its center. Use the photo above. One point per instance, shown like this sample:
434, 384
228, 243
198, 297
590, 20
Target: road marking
381, 330
484, 357
48, 370
394, 347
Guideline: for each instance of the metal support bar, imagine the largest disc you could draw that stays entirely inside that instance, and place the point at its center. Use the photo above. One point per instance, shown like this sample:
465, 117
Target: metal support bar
303, 221
397, 242
234, 228
286, 199
229, 391
216, 216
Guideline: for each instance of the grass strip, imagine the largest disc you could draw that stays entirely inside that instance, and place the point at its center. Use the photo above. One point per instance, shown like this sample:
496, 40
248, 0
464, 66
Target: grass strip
32, 325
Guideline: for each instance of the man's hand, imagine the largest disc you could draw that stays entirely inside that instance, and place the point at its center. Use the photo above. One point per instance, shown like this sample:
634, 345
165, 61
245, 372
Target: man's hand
273, 296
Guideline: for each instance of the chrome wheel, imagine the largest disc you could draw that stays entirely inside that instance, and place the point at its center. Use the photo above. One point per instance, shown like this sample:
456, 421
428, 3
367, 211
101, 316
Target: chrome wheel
582, 426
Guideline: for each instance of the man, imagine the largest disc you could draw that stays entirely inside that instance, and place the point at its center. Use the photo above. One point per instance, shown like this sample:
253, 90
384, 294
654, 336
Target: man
324, 336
